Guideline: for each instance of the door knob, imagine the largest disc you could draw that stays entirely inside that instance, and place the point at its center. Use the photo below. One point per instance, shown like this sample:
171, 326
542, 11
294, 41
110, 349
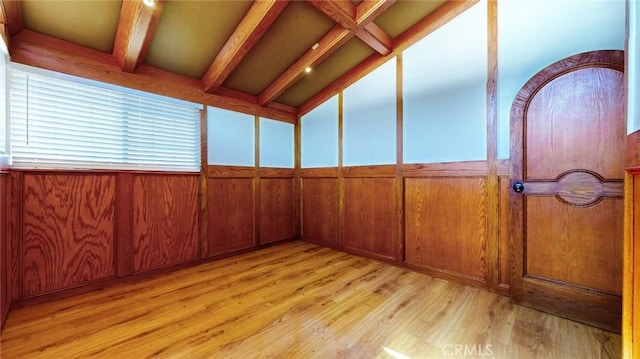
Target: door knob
518, 187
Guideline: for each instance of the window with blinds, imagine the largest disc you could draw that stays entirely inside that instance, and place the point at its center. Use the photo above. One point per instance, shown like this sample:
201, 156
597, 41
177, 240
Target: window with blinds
59, 123
3, 102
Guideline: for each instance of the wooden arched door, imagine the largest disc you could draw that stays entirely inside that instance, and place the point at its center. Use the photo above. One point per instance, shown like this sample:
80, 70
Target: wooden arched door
568, 133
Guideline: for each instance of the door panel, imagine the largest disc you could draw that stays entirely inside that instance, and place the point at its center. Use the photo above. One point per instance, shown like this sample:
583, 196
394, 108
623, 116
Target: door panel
568, 133
575, 245
568, 125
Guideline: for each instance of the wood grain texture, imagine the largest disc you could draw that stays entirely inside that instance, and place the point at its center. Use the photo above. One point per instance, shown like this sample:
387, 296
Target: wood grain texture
275, 172
374, 36
446, 224
231, 171
588, 85
446, 169
370, 217
504, 221
568, 243
124, 225
369, 171
11, 11
5, 259
34, 49
276, 210
15, 233
295, 300
556, 125
341, 11
320, 211
323, 172
68, 231
231, 215
165, 220
629, 249
636, 271
134, 34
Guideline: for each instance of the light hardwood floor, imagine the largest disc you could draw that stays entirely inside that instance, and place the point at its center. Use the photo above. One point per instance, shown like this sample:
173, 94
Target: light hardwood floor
296, 300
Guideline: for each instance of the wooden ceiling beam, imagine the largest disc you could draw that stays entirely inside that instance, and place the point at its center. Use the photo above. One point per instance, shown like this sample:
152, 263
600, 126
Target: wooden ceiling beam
424, 27
11, 21
341, 11
327, 45
369, 10
135, 31
46, 52
374, 36
254, 24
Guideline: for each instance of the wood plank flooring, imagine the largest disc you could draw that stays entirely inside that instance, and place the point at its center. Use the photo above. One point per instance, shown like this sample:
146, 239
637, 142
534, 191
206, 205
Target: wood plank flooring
296, 300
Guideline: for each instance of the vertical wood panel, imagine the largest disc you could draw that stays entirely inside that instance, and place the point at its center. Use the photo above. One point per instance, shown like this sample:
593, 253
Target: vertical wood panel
445, 224
68, 231
320, 211
165, 220
276, 210
503, 235
15, 235
231, 212
370, 216
124, 226
5, 267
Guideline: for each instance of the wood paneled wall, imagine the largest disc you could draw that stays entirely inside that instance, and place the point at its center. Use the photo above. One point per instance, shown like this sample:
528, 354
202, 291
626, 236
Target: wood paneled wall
249, 207
165, 220
5, 263
78, 229
441, 212
320, 206
68, 231
71, 231
446, 225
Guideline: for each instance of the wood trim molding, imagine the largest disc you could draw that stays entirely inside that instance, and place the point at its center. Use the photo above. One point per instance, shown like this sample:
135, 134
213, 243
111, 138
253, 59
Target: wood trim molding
369, 171
493, 191
230, 171
254, 24
341, 11
448, 169
135, 31
34, 49
273, 172
320, 172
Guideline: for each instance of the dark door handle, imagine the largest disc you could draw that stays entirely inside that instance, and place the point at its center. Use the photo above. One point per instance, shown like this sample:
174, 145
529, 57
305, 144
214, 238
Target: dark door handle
518, 187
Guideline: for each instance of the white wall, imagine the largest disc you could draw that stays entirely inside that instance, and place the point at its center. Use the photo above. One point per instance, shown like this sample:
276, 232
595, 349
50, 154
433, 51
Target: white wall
444, 92
369, 118
319, 132
534, 34
276, 144
230, 138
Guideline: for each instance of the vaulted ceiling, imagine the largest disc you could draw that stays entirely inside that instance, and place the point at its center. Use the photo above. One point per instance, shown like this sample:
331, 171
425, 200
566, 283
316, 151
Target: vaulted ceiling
250, 56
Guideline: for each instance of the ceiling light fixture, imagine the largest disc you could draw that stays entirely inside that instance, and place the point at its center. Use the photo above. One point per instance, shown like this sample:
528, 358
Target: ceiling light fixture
149, 3
307, 70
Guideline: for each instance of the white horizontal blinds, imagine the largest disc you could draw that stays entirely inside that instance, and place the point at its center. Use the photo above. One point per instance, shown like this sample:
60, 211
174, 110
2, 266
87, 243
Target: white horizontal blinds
161, 135
3, 102
57, 123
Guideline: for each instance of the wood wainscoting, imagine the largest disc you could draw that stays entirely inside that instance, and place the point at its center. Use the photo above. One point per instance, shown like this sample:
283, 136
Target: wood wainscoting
68, 232
6, 269
429, 217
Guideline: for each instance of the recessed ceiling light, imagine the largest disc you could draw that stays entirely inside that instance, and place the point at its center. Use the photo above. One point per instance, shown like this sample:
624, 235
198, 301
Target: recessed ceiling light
307, 70
149, 3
